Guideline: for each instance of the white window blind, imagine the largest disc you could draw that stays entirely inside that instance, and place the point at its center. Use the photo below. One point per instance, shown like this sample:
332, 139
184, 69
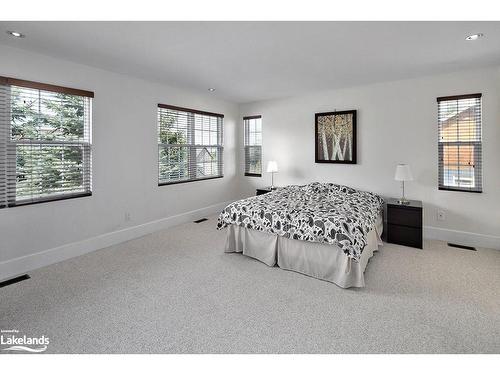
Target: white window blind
460, 145
253, 145
190, 145
45, 142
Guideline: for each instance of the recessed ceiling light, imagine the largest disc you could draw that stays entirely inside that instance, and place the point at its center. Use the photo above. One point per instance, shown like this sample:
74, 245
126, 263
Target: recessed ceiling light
474, 36
16, 34
211, 89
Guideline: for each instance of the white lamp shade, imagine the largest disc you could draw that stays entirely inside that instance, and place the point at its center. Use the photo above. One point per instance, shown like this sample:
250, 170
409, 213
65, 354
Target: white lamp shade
403, 173
272, 166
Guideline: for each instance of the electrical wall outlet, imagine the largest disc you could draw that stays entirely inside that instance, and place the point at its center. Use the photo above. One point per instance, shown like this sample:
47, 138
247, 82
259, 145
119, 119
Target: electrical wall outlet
441, 216
127, 216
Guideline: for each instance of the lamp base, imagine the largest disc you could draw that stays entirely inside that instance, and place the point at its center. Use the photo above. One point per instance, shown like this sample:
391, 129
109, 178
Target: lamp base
403, 202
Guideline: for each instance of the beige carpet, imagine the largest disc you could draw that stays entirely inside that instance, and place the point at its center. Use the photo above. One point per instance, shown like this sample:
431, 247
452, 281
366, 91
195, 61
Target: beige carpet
175, 291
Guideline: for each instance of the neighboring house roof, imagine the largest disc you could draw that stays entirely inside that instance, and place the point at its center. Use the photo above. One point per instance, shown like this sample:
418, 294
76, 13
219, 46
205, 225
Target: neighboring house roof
468, 129
204, 155
460, 116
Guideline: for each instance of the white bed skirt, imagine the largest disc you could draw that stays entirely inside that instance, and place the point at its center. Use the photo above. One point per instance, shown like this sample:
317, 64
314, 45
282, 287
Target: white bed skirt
322, 261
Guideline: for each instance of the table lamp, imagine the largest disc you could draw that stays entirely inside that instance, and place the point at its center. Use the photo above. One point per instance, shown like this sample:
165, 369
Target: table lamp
272, 167
403, 173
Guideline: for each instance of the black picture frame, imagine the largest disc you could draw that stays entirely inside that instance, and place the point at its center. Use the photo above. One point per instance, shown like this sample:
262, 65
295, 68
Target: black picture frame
353, 138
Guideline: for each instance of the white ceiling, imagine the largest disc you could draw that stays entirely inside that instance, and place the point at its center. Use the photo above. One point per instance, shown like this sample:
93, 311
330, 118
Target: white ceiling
249, 61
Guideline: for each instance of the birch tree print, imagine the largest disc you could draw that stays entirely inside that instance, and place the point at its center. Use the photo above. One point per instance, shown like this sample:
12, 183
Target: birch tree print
335, 136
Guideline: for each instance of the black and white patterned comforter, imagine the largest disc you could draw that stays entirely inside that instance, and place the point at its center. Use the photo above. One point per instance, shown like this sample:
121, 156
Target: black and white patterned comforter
317, 212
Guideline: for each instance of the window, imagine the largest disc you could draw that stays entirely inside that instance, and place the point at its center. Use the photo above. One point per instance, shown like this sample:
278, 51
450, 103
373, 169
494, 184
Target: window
189, 145
253, 145
45, 142
460, 148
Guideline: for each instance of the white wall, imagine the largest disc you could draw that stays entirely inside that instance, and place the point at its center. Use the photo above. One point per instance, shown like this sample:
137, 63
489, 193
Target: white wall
125, 162
397, 123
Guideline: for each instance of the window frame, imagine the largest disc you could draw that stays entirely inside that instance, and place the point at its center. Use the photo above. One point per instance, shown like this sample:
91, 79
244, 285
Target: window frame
11, 195
220, 145
246, 147
476, 144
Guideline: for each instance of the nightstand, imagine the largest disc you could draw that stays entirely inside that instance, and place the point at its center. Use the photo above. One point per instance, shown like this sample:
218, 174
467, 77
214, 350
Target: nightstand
404, 223
264, 190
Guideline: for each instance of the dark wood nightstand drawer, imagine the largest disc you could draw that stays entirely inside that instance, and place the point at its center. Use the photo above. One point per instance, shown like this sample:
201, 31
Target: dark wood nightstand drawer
264, 190
403, 235
404, 223
411, 217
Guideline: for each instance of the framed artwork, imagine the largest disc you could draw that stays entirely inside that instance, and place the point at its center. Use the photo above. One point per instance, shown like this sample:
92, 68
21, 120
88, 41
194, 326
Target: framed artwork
335, 137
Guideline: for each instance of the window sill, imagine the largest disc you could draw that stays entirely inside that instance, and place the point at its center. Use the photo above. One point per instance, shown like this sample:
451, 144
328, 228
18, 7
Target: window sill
186, 181
48, 199
253, 174
459, 190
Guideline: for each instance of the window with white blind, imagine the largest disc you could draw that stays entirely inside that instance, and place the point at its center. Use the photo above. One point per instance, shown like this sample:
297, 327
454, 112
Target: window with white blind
253, 145
460, 147
45, 142
190, 145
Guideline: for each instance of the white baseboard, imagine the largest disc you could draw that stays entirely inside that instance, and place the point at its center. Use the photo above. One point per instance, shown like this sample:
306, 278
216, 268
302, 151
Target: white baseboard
24, 264
462, 238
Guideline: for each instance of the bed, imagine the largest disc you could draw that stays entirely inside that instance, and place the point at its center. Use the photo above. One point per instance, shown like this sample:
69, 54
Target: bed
324, 230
